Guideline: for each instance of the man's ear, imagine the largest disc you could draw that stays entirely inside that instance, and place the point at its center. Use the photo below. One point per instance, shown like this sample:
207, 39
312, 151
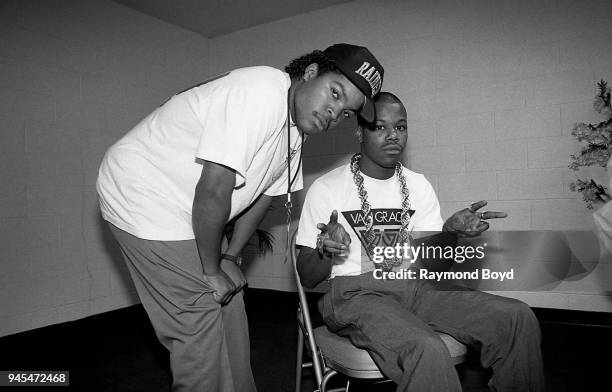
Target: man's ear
310, 72
359, 134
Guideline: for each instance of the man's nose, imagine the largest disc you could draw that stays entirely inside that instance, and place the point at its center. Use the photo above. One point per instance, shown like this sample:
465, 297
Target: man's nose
334, 112
392, 134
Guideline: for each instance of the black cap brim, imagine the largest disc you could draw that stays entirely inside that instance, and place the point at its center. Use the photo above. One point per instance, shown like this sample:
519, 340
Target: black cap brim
368, 111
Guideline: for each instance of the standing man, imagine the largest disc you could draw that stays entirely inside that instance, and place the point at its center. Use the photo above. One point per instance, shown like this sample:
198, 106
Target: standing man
380, 202
213, 153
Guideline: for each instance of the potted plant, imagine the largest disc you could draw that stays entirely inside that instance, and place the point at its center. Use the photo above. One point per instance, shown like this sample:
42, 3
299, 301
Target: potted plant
597, 149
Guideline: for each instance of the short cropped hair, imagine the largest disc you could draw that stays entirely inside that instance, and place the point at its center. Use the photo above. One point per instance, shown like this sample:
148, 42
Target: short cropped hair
296, 67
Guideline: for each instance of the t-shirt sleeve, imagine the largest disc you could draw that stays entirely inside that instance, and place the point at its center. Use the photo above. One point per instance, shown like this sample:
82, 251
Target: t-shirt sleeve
428, 217
237, 120
316, 209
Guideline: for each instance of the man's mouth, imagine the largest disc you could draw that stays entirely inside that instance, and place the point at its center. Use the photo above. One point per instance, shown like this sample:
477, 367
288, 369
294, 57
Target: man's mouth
321, 124
392, 148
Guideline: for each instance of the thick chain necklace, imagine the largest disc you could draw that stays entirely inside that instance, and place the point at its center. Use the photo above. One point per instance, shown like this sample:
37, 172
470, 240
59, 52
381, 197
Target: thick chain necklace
369, 235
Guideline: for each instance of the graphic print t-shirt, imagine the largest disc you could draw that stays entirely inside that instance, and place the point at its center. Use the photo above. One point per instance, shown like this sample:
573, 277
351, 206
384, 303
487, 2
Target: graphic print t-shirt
336, 190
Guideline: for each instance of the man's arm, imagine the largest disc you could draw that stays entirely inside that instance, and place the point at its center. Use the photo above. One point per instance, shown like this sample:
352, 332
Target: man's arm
210, 212
244, 227
313, 267
247, 223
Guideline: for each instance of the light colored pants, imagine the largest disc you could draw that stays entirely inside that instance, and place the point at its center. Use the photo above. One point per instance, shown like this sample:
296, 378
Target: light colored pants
208, 343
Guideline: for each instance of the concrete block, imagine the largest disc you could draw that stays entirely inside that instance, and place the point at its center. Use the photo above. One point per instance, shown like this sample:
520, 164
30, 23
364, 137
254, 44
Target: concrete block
112, 302
421, 133
99, 283
49, 80
500, 155
75, 114
527, 123
475, 128
13, 198
73, 311
530, 184
44, 317
552, 151
412, 81
15, 323
438, 159
467, 186
422, 106
16, 299
28, 232
63, 289
586, 51
519, 60
11, 74
14, 268
481, 99
560, 214
33, 109
560, 87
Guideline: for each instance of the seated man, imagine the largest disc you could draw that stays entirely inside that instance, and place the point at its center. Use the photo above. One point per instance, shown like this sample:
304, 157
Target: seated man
396, 320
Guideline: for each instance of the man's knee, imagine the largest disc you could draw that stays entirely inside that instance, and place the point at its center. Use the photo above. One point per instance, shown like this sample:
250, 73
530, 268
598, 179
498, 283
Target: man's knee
428, 347
517, 317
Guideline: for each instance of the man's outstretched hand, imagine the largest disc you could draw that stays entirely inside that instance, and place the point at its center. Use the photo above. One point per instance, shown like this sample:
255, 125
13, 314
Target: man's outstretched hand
469, 222
333, 239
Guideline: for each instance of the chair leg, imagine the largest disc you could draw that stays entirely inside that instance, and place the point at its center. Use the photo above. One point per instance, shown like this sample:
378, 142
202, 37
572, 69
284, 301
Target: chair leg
298, 368
326, 379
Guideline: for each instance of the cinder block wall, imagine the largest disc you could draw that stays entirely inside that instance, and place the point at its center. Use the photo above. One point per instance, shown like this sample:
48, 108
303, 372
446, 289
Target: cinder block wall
74, 76
492, 90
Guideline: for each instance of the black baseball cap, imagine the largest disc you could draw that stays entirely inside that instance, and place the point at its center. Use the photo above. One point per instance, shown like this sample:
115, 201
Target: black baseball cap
360, 66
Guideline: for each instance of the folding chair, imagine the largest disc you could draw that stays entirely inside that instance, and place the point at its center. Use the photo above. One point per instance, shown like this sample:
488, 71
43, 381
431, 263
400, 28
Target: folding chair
332, 354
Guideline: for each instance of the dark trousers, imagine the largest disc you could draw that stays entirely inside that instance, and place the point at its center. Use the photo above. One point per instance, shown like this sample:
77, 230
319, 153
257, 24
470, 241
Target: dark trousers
396, 321
208, 343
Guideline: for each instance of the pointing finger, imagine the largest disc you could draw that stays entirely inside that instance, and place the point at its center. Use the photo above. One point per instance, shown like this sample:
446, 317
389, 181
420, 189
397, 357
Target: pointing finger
478, 205
333, 218
493, 215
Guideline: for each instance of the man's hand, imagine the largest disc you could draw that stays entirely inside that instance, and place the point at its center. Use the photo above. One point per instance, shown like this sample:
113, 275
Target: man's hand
222, 285
470, 223
333, 239
234, 272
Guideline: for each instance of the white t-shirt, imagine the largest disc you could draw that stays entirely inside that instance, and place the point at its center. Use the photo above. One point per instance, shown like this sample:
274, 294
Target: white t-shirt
146, 183
336, 190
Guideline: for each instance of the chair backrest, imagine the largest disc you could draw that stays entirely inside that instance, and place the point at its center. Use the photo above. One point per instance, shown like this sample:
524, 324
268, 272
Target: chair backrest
304, 314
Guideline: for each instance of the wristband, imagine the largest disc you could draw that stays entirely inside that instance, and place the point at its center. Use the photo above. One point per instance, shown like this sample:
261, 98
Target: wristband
235, 259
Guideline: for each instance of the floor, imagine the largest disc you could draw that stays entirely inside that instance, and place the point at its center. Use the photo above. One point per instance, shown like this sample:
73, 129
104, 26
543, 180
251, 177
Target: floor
118, 351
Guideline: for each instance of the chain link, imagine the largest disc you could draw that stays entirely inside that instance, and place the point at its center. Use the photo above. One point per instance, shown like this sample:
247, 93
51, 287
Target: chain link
368, 218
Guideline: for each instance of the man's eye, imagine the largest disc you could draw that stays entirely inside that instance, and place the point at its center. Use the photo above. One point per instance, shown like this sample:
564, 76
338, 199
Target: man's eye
347, 114
335, 94
380, 128
401, 128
